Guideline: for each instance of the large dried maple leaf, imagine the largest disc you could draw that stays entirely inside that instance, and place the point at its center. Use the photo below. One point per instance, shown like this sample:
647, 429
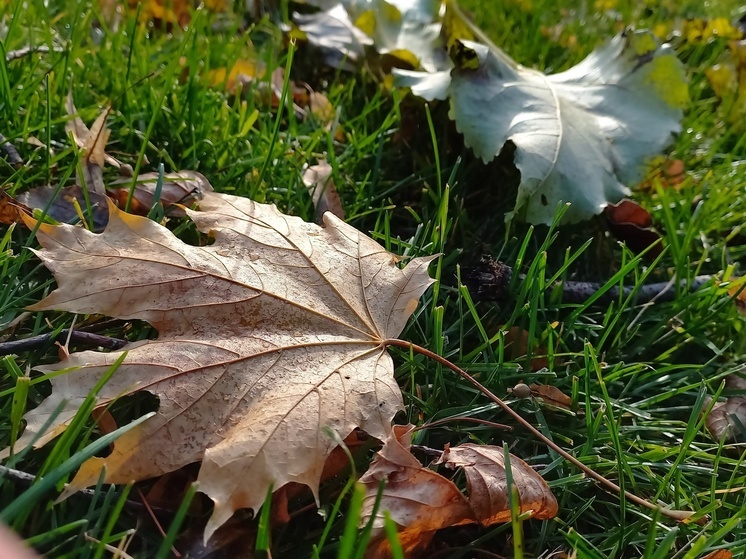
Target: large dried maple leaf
268, 339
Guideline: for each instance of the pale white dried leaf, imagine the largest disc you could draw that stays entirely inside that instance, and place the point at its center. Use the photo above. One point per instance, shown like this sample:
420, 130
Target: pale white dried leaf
409, 30
580, 136
335, 34
95, 142
75, 125
268, 338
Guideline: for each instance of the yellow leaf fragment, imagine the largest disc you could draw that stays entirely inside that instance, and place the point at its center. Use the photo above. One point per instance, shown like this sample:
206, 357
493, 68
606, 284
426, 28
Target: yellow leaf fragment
366, 22
405, 56
243, 71
456, 28
699, 31
728, 81
318, 180
665, 79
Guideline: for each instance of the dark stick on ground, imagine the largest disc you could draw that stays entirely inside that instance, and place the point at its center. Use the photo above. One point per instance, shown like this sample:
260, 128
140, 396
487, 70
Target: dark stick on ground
490, 280
85, 338
25, 479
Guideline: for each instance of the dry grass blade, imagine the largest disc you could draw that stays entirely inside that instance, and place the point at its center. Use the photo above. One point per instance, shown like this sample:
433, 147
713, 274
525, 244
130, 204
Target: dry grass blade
318, 180
93, 143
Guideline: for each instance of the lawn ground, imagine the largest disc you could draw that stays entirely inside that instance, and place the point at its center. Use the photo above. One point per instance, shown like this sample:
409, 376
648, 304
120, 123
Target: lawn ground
638, 374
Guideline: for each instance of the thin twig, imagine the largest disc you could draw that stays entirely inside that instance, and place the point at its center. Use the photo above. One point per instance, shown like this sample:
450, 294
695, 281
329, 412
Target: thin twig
76, 336
25, 51
155, 520
427, 451
447, 420
678, 515
25, 479
580, 291
490, 280
650, 303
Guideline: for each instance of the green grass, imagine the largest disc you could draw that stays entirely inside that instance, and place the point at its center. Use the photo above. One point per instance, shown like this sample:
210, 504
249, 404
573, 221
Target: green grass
638, 374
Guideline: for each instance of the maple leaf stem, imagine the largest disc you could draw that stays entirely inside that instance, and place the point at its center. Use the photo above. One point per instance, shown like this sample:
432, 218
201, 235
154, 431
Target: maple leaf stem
679, 515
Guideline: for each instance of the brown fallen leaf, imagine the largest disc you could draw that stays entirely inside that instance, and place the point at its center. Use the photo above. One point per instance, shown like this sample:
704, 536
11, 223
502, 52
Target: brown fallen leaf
321, 108
421, 501
268, 338
487, 483
168, 491
307, 104
318, 180
628, 211
338, 462
727, 420
10, 209
674, 172
669, 173
736, 381
181, 187
719, 554
162, 13
551, 395
516, 347
60, 205
297, 93
632, 224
